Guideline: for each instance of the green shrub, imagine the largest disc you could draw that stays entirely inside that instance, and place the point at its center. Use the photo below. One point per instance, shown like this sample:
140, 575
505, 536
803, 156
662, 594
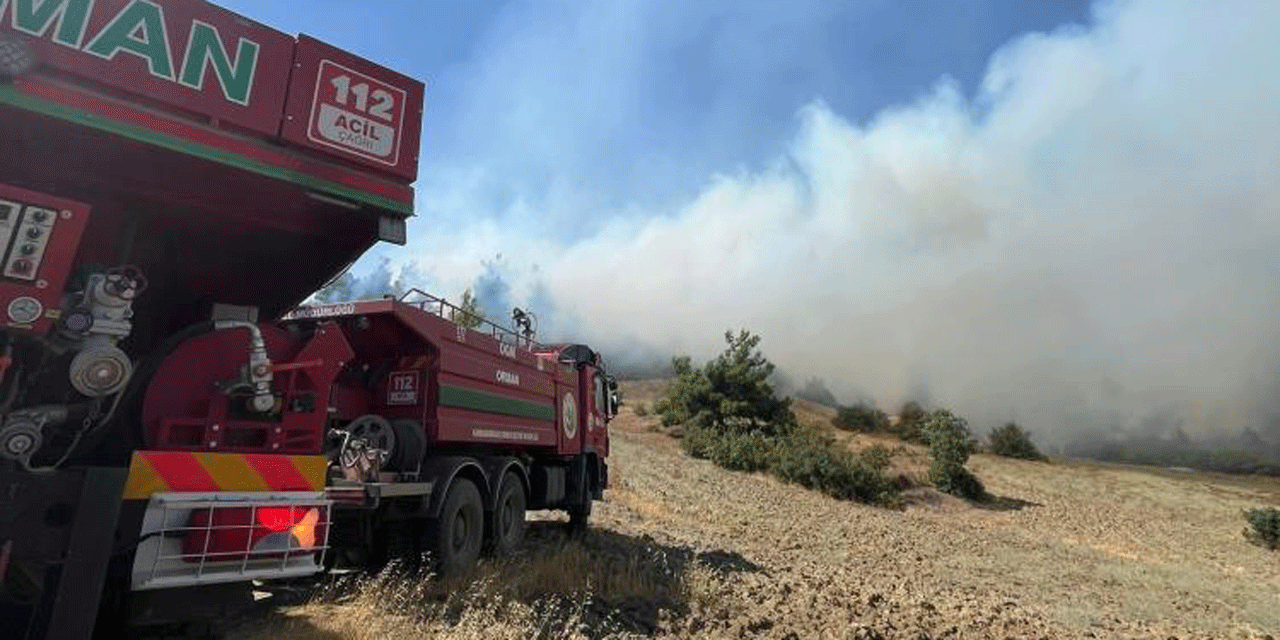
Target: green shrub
1012, 441
642, 410
956, 480
1266, 527
911, 419
748, 452
862, 418
729, 414
803, 457
697, 441
815, 462
950, 446
876, 457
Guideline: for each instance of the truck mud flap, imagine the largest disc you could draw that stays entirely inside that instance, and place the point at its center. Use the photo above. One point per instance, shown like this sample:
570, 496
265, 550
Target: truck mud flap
58, 530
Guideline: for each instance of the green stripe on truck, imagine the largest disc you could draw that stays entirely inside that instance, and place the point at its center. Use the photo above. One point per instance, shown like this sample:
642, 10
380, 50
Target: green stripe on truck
11, 96
462, 398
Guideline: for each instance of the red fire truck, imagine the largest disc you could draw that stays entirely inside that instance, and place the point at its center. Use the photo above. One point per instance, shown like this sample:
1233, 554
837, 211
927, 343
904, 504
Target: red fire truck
175, 181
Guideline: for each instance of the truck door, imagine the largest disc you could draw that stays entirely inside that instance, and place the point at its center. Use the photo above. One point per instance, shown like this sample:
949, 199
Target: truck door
594, 396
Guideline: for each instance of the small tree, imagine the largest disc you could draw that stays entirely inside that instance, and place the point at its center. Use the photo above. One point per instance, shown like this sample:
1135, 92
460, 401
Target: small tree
861, 417
950, 446
468, 312
687, 397
1012, 441
730, 394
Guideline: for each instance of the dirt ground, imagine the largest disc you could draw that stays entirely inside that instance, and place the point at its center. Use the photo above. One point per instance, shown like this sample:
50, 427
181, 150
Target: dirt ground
681, 548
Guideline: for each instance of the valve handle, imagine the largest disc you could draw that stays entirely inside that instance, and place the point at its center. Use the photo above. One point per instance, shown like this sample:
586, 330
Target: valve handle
126, 279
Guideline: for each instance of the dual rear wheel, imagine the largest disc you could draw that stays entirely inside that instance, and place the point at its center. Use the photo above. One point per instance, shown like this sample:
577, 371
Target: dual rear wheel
457, 537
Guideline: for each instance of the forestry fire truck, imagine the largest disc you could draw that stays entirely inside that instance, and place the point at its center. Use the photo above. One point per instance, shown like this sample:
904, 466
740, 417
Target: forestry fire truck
175, 181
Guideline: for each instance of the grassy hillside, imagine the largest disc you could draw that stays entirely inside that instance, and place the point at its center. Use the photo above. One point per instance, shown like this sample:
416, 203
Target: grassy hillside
681, 548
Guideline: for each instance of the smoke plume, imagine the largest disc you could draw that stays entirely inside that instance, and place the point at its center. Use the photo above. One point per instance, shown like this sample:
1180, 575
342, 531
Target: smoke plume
1092, 238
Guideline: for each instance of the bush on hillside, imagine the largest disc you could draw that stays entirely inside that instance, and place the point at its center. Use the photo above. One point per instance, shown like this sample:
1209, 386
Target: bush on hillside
729, 394
1266, 527
862, 418
1012, 441
467, 312
911, 411
642, 409
950, 446
749, 452
814, 461
802, 457
876, 456
731, 416
910, 423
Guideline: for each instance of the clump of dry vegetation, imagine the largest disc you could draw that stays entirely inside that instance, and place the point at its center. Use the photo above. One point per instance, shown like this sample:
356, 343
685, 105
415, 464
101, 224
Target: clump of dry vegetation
602, 585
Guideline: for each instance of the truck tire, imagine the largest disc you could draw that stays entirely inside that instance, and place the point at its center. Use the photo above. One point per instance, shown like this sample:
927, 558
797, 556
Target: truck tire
578, 517
456, 536
508, 515
580, 513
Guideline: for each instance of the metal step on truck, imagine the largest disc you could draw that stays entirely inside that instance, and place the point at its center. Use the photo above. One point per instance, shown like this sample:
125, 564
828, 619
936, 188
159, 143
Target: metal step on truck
175, 181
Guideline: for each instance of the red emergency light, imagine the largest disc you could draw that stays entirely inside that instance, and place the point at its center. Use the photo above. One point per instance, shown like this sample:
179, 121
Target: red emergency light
237, 533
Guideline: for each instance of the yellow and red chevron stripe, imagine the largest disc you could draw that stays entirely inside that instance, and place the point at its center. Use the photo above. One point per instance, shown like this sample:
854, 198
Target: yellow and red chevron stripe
176, 471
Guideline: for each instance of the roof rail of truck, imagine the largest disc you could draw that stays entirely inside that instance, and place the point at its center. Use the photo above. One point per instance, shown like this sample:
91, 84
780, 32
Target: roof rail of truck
438, 306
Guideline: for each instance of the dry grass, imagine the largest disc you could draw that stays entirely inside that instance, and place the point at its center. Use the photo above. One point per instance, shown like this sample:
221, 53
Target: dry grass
602, 586
1072, 549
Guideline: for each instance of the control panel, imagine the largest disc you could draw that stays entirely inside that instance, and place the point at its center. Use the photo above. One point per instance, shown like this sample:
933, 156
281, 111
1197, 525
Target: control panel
27, 238
39, 237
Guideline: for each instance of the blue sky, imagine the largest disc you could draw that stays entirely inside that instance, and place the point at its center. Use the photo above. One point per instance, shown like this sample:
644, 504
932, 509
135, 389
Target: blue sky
637, 102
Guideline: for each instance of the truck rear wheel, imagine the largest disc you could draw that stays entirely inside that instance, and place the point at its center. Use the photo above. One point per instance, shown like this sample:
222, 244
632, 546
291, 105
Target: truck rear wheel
578, 517
456, 536
508, 515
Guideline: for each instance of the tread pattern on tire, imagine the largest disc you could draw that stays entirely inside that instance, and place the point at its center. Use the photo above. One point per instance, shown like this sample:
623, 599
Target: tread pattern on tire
462, 492
498, 545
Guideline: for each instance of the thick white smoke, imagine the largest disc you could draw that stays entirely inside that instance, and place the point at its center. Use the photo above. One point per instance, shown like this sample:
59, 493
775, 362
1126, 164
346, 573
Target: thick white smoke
1096, 233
